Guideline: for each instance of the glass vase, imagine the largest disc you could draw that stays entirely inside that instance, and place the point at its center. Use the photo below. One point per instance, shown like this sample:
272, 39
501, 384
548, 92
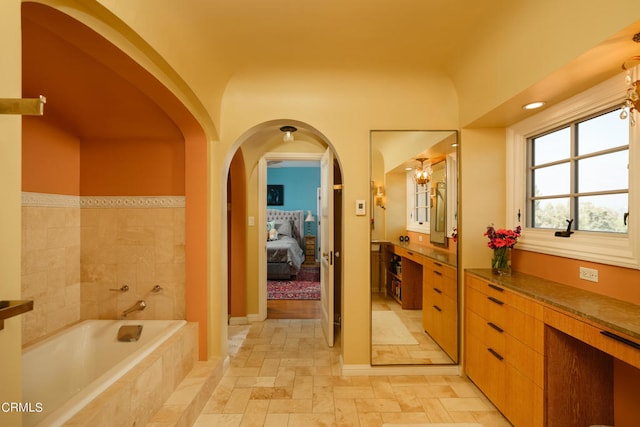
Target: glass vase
501, 261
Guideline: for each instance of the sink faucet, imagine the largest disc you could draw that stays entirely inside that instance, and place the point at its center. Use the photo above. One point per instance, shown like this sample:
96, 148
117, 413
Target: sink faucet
138, 306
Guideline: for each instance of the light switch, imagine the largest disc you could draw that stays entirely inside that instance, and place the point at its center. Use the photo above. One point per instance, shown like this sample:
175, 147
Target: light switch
252, 221
360, 207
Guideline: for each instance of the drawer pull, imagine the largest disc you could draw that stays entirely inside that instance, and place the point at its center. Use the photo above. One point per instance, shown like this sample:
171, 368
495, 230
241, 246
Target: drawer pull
437, 272
437, 290
410, 253
497, 288
437, 264
495, 354
621, 339
496, 300
496, 327
437, 308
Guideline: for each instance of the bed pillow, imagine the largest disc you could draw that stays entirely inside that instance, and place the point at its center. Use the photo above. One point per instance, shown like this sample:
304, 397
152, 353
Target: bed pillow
270, 225
285, 228
273, 234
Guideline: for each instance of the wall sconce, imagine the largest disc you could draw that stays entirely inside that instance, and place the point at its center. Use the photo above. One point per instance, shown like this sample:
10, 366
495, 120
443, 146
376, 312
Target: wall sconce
422, 175
632, 97
379, 196
308, 220
288, 133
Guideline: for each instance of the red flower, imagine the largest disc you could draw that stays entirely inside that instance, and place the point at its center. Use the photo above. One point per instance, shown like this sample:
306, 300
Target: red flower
502, 237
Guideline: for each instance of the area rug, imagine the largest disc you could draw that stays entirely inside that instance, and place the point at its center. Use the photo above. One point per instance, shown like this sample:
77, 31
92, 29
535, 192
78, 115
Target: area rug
388, 329
308, 274
293, 290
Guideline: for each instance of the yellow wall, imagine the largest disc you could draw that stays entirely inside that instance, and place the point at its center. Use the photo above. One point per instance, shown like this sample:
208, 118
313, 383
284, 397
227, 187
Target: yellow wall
341, 113
543, 34
482, 197
10, 208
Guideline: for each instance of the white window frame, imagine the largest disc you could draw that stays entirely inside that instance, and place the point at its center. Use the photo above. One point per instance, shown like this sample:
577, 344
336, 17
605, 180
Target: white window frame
412, 224
606, 248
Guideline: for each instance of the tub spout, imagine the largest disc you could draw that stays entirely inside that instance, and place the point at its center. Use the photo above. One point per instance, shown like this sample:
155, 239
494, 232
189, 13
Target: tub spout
138, 306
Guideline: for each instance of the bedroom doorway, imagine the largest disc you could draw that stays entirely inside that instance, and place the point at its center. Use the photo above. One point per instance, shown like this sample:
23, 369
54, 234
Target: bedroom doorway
292, 266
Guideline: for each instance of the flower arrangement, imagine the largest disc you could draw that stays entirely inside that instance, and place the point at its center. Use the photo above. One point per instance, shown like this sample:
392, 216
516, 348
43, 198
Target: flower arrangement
502, 241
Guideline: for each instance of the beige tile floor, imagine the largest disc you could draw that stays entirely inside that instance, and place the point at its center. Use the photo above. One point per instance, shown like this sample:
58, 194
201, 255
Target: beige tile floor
424, 353
283, 374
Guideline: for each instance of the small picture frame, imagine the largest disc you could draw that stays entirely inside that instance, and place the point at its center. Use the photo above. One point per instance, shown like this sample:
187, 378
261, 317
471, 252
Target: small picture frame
275, 195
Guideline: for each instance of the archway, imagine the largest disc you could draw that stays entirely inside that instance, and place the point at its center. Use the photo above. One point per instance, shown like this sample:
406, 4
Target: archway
262, 140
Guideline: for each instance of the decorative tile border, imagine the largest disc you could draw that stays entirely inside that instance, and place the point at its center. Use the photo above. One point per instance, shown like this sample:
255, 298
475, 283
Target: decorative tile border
47, 200
132, 202
66, 201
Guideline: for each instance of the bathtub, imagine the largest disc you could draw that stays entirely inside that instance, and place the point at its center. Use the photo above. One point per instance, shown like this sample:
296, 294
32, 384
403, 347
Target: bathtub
64, 373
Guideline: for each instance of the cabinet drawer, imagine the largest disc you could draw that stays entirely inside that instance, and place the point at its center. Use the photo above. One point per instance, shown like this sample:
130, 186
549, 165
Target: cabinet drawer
511, 298
406, 253
614, 343
486, 370
440, 282
496, 308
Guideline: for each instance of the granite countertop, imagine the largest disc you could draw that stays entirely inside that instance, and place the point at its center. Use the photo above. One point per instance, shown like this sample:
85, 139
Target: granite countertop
621, 316
438, 255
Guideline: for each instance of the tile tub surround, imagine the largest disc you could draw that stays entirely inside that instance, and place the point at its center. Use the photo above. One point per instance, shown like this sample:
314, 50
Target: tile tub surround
50, 265
74, 249
138, 246
139, 394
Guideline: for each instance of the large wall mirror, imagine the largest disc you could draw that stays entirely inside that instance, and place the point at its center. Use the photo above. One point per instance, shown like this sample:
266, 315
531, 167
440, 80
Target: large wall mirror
414, 286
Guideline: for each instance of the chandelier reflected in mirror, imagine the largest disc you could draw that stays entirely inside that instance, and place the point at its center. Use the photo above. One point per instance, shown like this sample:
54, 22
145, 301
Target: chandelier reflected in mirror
422, 174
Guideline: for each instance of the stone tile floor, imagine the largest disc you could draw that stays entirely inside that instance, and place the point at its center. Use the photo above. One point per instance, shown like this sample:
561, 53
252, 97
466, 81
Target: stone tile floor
282, 374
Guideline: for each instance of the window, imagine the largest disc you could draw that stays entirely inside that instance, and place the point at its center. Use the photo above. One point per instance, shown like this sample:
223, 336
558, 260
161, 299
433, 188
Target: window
580, 172
577, 161
417, 205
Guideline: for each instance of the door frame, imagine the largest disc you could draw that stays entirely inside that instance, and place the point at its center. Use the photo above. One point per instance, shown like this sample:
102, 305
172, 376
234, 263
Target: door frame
262, 219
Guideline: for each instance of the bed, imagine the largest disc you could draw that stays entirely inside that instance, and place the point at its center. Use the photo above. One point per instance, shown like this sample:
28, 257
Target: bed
284, 245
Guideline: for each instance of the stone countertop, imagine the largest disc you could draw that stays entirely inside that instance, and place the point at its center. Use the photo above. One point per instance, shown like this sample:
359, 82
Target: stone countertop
621, 316
448, 258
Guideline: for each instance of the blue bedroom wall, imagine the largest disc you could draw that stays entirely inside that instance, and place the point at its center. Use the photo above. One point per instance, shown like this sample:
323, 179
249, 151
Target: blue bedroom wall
300, 184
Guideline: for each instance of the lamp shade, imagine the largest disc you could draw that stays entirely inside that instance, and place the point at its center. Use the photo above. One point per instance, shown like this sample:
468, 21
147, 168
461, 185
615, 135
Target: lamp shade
309, 217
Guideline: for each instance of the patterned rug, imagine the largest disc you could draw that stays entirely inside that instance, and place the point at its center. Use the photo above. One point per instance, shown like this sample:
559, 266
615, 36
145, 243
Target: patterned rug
308, 274
305, 287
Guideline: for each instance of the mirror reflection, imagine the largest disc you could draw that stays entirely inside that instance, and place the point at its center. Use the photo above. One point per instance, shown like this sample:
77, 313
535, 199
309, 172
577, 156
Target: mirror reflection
414, 288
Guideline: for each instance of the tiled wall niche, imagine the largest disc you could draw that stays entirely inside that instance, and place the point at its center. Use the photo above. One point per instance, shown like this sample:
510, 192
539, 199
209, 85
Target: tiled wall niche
75, 249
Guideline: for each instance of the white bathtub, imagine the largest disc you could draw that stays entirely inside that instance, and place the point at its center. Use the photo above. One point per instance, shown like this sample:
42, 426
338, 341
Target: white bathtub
68, 370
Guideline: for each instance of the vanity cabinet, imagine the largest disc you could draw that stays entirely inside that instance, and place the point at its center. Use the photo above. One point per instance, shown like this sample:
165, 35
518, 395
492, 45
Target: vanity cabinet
548, 354
504, 335
404, 281
440, 305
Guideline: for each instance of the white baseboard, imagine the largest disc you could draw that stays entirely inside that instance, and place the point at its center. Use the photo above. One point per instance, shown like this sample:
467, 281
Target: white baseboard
244, 320
255, 317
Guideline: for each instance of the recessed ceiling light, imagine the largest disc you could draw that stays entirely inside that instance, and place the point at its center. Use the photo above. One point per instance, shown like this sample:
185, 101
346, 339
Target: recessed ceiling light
533, 105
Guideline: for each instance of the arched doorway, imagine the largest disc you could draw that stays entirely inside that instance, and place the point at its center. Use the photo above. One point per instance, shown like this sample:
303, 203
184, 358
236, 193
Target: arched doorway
263, 140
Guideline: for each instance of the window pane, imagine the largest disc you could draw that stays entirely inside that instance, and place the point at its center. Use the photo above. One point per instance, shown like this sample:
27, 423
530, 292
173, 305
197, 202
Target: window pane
552, 147
421, 215
552, 180
551, 213
606, 172
421, 199
603, 213
602, 132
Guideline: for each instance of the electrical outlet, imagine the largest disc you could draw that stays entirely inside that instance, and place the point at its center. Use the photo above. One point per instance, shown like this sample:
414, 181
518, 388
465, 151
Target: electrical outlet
590, 274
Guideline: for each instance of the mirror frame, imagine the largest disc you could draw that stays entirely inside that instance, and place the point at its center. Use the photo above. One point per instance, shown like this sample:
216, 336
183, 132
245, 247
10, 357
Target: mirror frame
378, 200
